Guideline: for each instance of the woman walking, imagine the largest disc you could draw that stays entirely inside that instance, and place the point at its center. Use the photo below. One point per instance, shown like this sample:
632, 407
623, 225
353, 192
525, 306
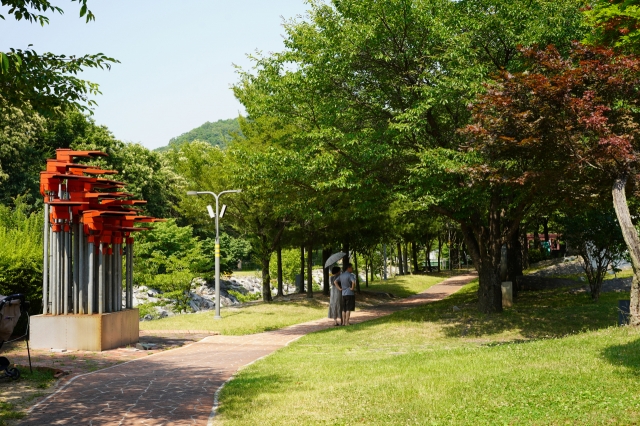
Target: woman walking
335, 301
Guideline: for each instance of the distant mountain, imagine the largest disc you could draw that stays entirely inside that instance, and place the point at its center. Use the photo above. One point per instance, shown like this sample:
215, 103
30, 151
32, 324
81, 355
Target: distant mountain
218, 133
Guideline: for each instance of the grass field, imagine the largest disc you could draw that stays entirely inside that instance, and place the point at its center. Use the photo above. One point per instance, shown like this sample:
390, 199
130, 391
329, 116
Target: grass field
404, 286
259, 317
17, 396
556, 358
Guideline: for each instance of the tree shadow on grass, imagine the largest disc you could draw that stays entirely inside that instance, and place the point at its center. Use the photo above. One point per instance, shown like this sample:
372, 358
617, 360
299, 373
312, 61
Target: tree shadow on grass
535, 315
626, 355
246, 389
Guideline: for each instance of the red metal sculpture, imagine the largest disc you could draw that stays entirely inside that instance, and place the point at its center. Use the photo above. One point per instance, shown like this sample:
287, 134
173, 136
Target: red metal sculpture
88, 227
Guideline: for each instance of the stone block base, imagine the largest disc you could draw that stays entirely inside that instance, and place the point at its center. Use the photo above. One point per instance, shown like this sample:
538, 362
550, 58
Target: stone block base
507, 294
85, 332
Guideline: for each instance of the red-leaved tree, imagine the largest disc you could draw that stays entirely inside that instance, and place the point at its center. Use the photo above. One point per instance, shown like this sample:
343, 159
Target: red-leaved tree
580, 115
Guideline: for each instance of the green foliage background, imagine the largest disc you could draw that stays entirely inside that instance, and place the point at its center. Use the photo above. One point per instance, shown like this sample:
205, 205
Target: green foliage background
217, 133
21, 252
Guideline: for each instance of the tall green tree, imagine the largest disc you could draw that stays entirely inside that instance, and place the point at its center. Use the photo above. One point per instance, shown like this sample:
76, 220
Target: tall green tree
47, 82
382, 87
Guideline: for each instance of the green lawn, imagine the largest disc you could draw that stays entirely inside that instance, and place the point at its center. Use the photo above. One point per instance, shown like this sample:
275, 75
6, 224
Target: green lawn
259, 317
556, 358
17, 396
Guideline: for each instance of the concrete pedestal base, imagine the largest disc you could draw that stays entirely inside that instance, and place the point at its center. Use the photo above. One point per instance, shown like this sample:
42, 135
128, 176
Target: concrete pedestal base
507, 294
85, 332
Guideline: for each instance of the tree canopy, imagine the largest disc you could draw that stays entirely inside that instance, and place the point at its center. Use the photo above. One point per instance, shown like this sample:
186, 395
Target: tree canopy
47, 82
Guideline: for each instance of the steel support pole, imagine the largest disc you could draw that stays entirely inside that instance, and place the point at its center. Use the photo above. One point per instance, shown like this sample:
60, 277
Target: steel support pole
65, 273
114, 279
90, 281
101, 274
61, 269
76, 268
81, 271
118, 281
45, 262
127, 267
85, 241
53, 288
51, 270
108, 291
130, 276
114, 296
120, 263
217, 257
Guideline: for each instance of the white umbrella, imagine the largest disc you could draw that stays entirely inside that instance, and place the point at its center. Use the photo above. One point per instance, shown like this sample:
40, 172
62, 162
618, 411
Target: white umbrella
334, 258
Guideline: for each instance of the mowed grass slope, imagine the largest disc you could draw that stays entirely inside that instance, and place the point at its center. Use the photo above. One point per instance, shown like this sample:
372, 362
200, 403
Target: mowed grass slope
556, 358
258, 317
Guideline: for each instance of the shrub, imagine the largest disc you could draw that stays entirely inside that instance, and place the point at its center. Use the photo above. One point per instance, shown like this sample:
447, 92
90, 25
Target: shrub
244, 298
290, 265
536, 255
21, 252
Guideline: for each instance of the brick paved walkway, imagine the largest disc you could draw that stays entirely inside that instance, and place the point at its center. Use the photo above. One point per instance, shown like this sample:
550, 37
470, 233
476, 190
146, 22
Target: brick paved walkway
177, 387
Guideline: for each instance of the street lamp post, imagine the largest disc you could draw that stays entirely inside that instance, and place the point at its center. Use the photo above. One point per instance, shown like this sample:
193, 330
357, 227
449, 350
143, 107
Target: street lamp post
217, 248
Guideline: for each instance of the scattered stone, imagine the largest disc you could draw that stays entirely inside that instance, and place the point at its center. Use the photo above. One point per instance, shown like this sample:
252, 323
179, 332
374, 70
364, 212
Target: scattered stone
59, 351
202, 295
455, 309
146, 346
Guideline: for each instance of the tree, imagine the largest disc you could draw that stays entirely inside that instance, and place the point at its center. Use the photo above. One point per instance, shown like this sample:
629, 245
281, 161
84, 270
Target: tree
581, 113
616, 23
47, 82
381, 88
21, 157
596, 235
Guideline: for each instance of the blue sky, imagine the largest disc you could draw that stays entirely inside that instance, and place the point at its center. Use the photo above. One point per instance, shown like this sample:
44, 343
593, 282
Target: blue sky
176, 57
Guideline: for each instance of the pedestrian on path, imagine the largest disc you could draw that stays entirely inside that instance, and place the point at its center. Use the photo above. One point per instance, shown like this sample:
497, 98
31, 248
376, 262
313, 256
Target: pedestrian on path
348, 283
335, 301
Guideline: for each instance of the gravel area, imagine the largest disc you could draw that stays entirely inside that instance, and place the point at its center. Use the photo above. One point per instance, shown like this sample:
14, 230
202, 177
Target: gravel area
565, 266
554, 268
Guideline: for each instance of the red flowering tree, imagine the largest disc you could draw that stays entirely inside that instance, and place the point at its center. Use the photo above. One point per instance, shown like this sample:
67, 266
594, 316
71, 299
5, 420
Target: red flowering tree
579, 115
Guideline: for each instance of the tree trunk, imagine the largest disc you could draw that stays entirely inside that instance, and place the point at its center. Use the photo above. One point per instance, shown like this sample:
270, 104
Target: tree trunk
414, 255
309, 272
266, 277
326, 252
536, 239
439, 252
485, 248
366, 272
302, 265
345, 259
279, 256
545, 228
632, 241
355, 261
427, 255
400, 260
524, 243
514, 261
405, 259
489, 290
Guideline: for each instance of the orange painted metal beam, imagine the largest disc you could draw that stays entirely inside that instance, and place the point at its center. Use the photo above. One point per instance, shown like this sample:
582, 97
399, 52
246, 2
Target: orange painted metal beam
75, 192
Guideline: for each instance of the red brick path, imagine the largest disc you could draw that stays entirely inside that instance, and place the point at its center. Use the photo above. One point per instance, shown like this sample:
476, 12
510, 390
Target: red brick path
177, 387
